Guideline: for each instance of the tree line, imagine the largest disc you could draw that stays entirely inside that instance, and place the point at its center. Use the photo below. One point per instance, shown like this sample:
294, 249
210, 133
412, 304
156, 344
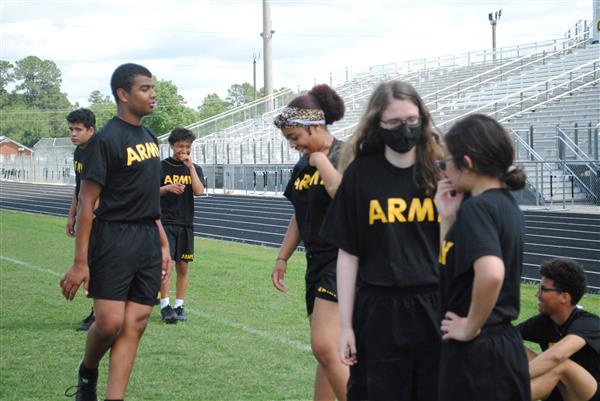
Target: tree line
32, 105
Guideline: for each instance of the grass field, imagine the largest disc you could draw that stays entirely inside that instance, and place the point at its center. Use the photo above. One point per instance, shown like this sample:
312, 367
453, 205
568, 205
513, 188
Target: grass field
243, 339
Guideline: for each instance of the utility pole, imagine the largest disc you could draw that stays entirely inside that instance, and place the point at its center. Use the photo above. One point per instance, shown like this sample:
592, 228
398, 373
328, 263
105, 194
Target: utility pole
267, 35
494, 18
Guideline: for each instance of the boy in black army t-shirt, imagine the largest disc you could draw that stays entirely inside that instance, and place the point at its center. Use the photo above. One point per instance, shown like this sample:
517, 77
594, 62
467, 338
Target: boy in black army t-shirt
181, 180
569, 366
124, 252
82, 124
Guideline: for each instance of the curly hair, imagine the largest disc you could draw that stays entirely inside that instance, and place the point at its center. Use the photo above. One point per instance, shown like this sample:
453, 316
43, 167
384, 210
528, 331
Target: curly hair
568, 276
181, 134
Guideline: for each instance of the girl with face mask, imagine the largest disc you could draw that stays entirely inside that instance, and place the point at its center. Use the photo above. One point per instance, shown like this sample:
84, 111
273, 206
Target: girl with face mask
313, 183
384, 222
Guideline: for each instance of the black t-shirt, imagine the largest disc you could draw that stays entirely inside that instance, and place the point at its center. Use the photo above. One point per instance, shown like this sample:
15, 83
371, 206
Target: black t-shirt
380, 216
306, 191
124, 159
542, 330
178, 209
78, 162
490, 224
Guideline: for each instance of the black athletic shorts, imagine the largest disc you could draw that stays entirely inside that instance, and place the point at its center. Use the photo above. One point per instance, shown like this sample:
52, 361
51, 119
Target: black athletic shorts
493, 367
320, 279
181, 242
125, 261
397, 344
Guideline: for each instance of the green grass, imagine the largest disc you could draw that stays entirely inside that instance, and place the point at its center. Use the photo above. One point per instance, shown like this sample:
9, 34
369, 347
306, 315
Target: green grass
243, 341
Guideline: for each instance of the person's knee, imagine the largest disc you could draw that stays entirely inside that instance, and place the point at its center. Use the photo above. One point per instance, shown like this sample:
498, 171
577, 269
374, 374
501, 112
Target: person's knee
182, 268
107, 328
324, 351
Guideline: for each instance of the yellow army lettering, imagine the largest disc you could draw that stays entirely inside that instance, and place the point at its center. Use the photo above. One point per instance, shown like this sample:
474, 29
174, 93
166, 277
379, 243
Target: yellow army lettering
186, 256
178, 179
141, 152
78, 167
326, 291
308, 180
446, 246
418, 211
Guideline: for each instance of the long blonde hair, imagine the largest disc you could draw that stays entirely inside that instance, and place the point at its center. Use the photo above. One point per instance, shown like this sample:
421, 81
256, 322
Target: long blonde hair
365, 139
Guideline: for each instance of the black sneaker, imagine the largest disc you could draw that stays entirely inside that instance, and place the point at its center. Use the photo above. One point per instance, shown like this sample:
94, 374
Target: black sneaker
87, 322
180, 313
168, 315
85, 390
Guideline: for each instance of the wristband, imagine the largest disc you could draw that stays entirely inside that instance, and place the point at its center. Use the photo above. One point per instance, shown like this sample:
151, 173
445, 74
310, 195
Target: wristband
285, 260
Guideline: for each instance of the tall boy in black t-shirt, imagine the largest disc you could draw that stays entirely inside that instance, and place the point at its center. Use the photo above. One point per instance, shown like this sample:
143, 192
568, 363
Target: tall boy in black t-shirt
82, 124
569, 366
181, 179
124, 253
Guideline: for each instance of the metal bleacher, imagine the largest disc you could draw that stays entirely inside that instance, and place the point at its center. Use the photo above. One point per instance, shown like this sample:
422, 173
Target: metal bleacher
530, 88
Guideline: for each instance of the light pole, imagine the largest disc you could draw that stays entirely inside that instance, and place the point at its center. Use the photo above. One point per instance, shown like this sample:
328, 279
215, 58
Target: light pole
494, 17
255, 57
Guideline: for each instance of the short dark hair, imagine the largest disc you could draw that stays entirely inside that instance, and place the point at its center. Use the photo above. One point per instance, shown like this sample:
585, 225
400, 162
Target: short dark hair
83, 116
568, 276
181, 134
124, 75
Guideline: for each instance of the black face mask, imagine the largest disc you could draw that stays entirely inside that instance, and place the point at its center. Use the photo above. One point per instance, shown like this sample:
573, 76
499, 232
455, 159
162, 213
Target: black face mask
402, 138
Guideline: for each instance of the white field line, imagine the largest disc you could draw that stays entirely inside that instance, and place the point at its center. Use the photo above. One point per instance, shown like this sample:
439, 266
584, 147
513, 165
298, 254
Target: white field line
300, 346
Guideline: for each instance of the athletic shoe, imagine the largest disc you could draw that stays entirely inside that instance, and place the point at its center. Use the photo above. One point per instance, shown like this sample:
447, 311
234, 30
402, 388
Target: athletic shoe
180, 313
85, 390
168, 315
87, 322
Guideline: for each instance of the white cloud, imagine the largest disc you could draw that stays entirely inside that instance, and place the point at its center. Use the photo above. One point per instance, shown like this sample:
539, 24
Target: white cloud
206, 46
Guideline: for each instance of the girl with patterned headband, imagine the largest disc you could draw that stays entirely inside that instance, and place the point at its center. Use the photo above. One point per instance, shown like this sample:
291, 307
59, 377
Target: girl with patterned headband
313, 183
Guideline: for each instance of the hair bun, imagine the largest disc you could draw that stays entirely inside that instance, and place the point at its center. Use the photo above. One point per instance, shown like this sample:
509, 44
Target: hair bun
331, 103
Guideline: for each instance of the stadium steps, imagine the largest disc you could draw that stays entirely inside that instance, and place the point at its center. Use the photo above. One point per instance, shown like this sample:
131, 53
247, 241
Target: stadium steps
263, 220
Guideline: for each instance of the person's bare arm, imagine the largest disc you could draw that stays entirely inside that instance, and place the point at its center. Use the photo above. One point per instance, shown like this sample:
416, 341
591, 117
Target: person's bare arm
80, 272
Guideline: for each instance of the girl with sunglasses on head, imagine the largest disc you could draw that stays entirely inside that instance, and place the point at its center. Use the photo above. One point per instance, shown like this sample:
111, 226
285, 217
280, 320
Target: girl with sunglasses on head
481, 254
313, 183
384, 221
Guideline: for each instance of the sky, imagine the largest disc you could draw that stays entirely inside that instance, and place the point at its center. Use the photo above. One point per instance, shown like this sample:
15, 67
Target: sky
205, 46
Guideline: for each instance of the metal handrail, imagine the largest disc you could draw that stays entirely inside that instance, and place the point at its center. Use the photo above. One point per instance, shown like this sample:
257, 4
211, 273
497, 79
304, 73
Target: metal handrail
519, 92
573, 147
549, 99
566, 167
563, 166
372, 72
536, 60
235, 110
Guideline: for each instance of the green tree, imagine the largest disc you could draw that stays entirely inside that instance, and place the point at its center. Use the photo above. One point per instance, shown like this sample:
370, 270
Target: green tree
239, 94
36, 107
212, 105
171, 110
39, 82
6, 75
103, 107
